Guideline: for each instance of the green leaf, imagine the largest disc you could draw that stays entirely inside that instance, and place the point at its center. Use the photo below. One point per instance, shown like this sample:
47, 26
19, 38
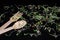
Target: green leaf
38, 17
55, 17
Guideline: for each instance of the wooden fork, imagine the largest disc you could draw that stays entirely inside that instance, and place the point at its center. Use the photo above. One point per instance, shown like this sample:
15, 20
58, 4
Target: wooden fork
12, 19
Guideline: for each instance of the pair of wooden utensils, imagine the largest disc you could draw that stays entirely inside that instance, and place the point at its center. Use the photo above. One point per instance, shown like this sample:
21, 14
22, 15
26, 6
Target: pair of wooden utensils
17, 25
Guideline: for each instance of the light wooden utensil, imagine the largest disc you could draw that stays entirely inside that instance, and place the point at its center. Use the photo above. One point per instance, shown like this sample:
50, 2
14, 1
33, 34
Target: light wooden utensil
12, 19
17, 25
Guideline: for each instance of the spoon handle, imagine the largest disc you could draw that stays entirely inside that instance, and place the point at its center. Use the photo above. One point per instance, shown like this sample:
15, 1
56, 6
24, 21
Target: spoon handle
5, 30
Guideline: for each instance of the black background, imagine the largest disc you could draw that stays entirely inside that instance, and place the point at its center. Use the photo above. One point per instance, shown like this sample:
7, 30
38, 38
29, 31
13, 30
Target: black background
26, 2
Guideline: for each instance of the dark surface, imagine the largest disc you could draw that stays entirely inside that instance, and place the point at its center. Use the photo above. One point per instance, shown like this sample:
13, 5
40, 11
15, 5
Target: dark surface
24, 2
28, 37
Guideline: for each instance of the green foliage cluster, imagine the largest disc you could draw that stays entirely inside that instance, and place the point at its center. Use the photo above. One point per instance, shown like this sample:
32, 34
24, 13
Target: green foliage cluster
38, 17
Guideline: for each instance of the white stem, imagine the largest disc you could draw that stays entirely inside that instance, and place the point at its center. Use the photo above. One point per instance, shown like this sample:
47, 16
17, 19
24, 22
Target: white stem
5, 30
5, 25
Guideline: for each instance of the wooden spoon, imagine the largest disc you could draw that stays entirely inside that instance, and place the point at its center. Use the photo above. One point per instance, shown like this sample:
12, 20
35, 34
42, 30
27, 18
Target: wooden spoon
17, 25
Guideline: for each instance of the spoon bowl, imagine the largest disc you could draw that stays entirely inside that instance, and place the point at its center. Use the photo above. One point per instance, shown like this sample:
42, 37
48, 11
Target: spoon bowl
19, 24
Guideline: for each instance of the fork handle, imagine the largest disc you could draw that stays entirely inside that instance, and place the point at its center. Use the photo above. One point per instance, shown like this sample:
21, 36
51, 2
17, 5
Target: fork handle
5, 25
